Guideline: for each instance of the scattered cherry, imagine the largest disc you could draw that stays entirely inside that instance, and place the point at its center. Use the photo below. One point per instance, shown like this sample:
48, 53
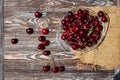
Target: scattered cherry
46, 68
41, 38
45, 31
14, 40
38, 14
46, 42
61, 68
55, 69
29, 30
46, 52
41, 46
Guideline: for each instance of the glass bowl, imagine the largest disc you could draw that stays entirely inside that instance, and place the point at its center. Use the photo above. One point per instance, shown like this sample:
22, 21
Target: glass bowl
64, 44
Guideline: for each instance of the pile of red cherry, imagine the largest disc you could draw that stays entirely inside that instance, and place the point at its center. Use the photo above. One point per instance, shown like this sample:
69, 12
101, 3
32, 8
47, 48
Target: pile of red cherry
42, 45
81, 29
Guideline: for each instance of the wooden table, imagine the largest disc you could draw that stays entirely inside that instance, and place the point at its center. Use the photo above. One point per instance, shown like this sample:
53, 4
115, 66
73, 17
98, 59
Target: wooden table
24, 61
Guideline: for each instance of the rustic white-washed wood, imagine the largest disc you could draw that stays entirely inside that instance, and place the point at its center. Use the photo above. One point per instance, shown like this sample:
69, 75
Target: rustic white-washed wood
24, 61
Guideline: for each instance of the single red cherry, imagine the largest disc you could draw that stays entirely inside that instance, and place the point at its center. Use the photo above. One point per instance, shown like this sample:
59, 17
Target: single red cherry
55, 69
81, 32
65, 27
38, 14
74, 46
100, 13
89, 44
63, 22
81, 46
63, 37
41, 38
98, 28
46, 42
41, 46
70, 13
46, 52
104, 19
45, 31
61, 68
46, 68
85, 12
14, 40
29, 30
96, 22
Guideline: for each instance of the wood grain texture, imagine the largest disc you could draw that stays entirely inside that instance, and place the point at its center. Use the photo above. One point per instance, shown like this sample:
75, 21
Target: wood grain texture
24, 61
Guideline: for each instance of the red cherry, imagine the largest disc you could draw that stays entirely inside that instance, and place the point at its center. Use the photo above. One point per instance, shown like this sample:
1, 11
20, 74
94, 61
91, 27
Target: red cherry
104, 19
45, 31
96, 22
46, 42
79, 11
70, 13
61, 68
89, 44
38, 14
100, 13
29, 30
74, 46
63, 37
65, 27
46, 52
55, 69
85, 27
14, 40
41, 46
46, 68
41, 38
98, 28
81, 46
81, 32
63, 22
85, 12
76, 16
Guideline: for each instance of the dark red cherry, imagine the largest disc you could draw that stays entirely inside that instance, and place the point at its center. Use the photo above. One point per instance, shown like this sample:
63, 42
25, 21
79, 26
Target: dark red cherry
85, 12
46, 42
46, 68
45, 31
55, 69
65, 27
98, 28
46, 52
104, 19
81, 46
96, 22
81, 32
38, 14
14, 40
41, 46
100, 13
61, 68
63, 22
29, 30
70, 13
74, 46
63, 37
41, 38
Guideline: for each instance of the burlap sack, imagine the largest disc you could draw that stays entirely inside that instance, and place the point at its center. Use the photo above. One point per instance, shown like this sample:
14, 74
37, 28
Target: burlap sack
107, 55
